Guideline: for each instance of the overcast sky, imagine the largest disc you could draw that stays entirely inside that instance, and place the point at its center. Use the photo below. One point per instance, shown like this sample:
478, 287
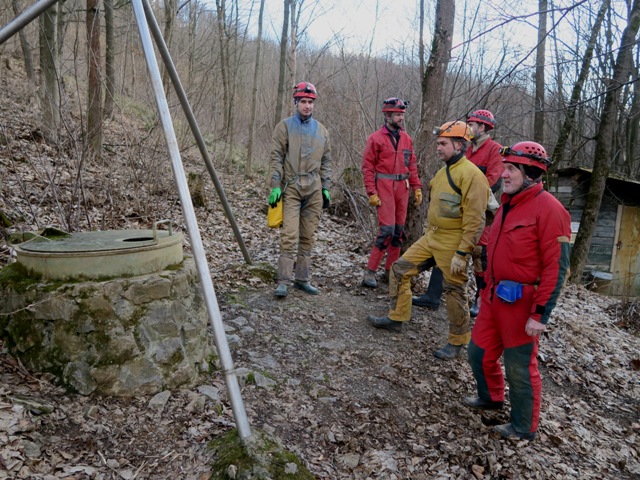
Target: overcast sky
387, 25
354, 21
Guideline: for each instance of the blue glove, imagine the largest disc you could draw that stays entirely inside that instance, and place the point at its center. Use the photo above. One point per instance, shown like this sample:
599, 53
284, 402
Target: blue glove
326, 198
275, 196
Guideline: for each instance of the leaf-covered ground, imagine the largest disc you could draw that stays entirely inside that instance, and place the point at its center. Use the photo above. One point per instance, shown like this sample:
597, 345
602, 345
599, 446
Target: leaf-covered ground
353, 402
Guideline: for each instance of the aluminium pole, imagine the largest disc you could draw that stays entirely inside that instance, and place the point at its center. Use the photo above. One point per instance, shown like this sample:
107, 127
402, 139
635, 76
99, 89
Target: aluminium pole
25, 18
211, 301
193, 123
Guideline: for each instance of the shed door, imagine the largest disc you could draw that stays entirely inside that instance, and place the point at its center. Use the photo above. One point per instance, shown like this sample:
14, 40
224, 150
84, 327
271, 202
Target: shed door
626, 267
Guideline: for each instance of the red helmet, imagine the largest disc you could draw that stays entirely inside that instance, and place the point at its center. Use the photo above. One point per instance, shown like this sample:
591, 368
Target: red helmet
526, 153
483, 116
304, 89
394, 104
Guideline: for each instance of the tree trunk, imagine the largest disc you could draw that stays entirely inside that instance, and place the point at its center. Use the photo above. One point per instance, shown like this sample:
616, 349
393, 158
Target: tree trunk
568, 124
632, 127
193, 29
170, 10
538, 119
94, 103
254, 96
224, 62
293, 67
603, 149
432, 108
24, 44
49, 93
283, 63
109, 63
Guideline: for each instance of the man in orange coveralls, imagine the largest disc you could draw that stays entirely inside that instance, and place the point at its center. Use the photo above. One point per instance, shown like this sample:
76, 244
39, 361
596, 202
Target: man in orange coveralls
484, 152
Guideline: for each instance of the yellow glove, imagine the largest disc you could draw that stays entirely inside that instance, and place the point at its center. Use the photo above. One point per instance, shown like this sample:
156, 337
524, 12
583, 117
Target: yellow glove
418, 195
458, 265
374, 200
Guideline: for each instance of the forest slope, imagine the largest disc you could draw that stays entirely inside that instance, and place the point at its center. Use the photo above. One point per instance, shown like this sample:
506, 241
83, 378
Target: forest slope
351, 401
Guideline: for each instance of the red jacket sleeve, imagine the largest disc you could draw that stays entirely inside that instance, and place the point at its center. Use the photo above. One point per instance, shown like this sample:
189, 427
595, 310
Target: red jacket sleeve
414, 178
495, 166
369, 165
554, 233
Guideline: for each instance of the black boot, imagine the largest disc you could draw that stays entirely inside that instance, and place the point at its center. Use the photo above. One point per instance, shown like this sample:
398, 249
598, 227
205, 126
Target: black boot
507, 431
480, 404
431, 299
385, 323
448, 352
475, 309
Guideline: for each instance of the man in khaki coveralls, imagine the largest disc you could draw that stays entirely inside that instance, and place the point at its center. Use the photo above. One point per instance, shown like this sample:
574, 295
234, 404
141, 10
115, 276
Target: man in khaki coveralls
300, 166
458, 199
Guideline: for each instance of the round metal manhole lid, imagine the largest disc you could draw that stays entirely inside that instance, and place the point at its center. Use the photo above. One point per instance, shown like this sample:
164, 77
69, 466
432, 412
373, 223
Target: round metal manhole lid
95, 241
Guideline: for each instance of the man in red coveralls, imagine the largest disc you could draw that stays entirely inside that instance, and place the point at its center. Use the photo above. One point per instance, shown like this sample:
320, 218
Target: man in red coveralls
528, 260
484, 152
390, 171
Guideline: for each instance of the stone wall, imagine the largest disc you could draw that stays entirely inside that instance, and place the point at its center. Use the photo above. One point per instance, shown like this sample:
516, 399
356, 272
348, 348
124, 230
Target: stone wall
126, 336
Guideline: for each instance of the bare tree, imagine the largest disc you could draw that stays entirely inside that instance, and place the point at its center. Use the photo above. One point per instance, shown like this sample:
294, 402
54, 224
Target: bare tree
283, 62
254, 94
296, 8
569, 120
170, 11
49, 94
194, 10
24, 44
604, 142
109, 61
432, 102
94, 103
538, 122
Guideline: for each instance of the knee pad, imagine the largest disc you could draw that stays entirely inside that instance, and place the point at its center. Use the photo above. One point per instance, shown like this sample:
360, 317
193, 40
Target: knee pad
385, 234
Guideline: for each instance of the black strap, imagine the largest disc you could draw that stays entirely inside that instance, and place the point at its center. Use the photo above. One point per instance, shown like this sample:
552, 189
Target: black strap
393, 176
453, 185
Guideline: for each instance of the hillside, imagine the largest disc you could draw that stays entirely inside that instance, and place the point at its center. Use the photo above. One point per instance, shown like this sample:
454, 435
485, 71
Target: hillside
351, 401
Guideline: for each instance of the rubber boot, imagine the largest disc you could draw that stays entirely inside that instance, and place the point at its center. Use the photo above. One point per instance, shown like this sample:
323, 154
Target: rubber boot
281, 291
384, 278
385, 323
306, 287
480, 404
303, 266
507, 431
448, 352
431, 299
369, 279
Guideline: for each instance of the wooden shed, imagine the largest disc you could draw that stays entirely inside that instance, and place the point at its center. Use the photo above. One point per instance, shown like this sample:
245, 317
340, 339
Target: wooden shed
614, 255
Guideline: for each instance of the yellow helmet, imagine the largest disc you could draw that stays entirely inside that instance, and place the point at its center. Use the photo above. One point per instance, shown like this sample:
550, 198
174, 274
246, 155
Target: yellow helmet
456, 129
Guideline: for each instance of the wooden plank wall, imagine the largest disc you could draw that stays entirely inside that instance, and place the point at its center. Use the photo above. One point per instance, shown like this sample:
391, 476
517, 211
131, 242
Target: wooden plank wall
572, 194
